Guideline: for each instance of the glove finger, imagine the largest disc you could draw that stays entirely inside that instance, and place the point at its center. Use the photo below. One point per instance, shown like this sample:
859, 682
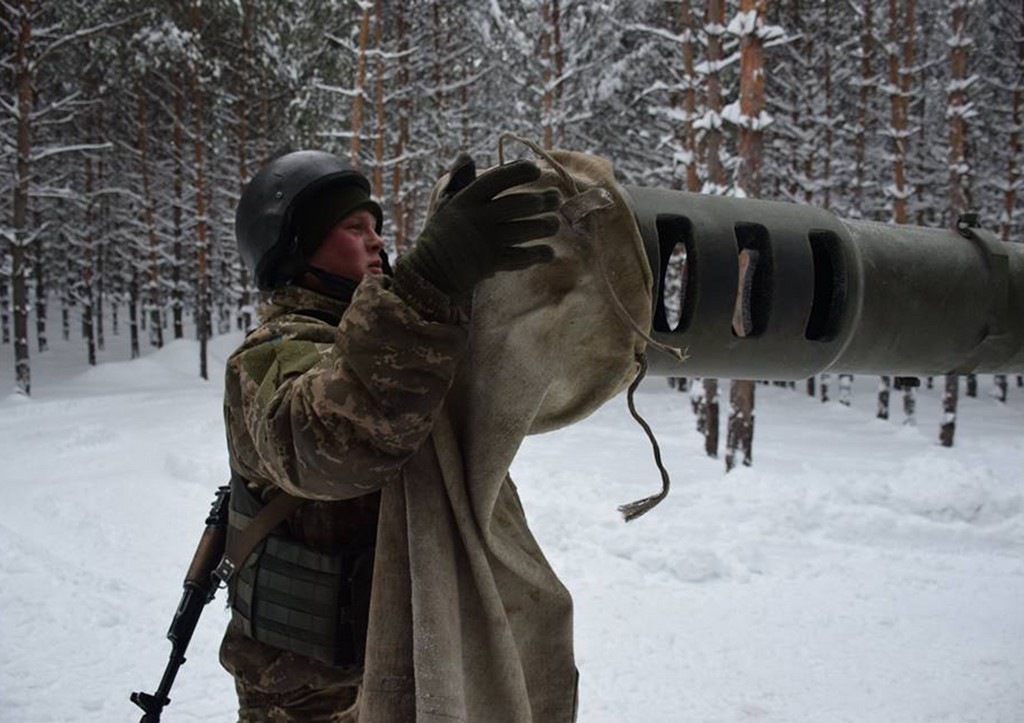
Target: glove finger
517, 258
500, 179
520, 205
517, 232
463, 173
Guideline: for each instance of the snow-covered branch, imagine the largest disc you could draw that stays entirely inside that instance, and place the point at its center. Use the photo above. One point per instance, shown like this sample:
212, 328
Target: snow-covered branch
59, 150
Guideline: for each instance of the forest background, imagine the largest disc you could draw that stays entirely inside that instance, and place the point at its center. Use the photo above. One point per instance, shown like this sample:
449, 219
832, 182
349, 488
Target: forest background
128, 128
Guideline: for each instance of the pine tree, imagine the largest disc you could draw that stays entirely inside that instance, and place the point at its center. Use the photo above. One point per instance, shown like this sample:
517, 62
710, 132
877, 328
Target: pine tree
959, 111
750, 117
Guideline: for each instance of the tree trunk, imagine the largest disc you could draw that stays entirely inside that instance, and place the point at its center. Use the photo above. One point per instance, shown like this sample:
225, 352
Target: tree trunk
796, 22
133, 315
42, 342
378, 150
897, 113
716, 181
956, 113
88, 260
360, 85
909, 406
23, 72
202, 289
39, 274
958, 170
712, 414
178, 140
156, 331
5, 299
752, 103
949, 404
810, 387
99, 229
1013, 152
806, 120
741, 424
900, 62
1000, 382
440, 80
1013, 171
244, 314
551, 63
687, 136
828, 134
402, 142
865, 94
845, 389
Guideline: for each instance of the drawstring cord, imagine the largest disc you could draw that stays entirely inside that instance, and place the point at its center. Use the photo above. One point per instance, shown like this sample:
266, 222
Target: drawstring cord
631, 510
576, 211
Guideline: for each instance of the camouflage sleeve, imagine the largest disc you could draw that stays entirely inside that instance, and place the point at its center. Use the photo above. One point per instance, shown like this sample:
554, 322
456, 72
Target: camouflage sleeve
335, 421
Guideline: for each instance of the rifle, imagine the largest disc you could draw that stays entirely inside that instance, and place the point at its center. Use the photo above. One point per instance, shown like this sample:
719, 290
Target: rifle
200, 587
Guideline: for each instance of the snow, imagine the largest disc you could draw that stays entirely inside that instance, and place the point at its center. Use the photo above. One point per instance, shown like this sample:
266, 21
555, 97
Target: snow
857, 572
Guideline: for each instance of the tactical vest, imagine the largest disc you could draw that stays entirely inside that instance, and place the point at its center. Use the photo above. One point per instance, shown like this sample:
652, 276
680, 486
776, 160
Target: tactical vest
297, 599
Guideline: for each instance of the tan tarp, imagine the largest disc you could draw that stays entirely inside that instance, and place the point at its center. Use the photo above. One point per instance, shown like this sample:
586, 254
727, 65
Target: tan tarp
488, 635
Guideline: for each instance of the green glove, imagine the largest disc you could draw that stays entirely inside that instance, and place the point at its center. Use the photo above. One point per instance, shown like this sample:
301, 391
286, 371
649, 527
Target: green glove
473, 235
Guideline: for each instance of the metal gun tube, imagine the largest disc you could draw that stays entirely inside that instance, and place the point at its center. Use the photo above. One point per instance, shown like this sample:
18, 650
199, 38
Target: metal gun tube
829, 294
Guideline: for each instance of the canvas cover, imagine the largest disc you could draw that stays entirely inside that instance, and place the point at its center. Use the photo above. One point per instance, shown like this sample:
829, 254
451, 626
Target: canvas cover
468, 621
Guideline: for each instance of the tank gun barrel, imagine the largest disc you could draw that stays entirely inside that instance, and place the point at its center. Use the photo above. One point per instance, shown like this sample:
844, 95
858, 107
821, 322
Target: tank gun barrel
774, 290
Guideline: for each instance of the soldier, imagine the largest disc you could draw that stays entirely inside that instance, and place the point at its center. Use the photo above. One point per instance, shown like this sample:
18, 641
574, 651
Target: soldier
333, 397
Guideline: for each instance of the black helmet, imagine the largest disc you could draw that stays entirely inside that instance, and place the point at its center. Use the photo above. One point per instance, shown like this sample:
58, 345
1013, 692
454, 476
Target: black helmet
265, 226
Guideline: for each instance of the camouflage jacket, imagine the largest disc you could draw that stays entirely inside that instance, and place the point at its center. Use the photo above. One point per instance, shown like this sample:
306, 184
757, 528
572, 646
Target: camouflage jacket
333, 413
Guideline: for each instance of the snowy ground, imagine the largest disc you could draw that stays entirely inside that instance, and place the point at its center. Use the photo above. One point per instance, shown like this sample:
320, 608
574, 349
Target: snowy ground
858, 572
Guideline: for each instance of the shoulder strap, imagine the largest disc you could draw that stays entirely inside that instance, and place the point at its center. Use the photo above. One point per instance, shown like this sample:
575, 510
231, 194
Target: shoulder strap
241, 545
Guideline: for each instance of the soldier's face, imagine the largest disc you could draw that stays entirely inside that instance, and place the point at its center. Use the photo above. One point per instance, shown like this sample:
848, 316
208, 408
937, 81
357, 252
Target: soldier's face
352, 248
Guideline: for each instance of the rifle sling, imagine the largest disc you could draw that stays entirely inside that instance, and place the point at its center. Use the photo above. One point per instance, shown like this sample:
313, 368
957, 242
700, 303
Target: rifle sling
240, 546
